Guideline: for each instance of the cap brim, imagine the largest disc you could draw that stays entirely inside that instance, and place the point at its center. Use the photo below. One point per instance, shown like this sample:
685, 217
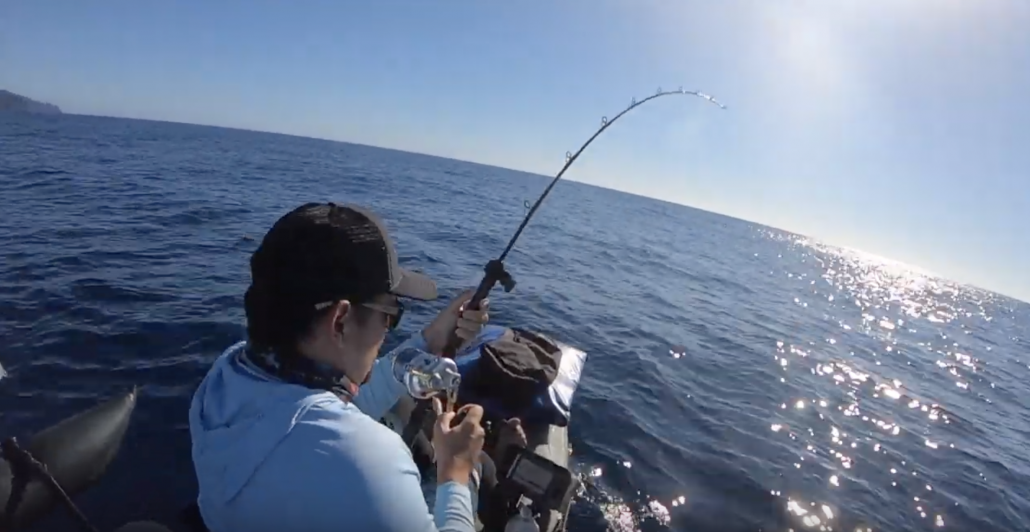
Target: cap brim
415, 286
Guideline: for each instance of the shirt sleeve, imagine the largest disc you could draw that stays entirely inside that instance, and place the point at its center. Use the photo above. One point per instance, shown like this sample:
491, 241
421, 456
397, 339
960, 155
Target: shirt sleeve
333, 474
376, 397
453, 508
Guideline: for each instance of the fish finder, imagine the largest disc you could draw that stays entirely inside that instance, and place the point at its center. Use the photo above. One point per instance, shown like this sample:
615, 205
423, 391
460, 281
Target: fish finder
547, 484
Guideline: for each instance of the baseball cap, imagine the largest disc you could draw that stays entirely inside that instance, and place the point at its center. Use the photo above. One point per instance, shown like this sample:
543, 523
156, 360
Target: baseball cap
320, 252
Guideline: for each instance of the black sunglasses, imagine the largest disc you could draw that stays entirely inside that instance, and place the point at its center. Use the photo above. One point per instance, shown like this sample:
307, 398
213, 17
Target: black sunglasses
393, 313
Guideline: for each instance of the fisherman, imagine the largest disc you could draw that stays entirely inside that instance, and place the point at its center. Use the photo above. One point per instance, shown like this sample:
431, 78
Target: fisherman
284, 425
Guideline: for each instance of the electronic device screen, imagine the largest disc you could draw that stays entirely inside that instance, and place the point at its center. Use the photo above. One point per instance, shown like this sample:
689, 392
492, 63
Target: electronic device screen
532, 476
549, 485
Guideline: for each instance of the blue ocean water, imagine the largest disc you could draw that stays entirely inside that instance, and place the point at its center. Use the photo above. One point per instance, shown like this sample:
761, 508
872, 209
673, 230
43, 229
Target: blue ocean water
740, 377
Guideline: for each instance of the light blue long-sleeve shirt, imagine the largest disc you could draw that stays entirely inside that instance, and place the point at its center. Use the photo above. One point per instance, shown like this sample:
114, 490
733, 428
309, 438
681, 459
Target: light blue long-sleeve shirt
273, 456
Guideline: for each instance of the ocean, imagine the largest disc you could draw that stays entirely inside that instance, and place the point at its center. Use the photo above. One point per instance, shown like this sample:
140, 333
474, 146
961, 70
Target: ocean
739, 377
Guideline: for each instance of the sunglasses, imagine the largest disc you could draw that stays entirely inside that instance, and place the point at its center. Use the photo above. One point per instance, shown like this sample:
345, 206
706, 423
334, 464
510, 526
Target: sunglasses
393, 313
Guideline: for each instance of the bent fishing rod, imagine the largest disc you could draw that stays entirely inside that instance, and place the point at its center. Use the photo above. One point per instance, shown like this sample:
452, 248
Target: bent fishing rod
494, 271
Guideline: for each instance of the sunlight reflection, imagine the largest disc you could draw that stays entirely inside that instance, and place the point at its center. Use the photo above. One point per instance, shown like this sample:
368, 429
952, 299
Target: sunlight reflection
884, 317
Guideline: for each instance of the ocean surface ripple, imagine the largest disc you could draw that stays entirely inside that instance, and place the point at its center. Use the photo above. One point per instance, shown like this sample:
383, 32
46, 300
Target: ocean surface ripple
740, 377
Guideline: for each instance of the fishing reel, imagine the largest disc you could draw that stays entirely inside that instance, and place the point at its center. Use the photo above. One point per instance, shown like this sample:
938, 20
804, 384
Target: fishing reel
425, 375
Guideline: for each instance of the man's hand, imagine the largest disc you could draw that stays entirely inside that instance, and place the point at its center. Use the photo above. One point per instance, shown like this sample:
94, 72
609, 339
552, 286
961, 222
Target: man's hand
457, 448
455, 318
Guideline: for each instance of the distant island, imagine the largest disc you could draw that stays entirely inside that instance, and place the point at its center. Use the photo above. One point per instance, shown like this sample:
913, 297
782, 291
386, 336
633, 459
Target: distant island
10, 101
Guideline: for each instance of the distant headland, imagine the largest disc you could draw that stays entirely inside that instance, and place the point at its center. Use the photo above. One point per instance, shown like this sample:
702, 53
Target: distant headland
10, 101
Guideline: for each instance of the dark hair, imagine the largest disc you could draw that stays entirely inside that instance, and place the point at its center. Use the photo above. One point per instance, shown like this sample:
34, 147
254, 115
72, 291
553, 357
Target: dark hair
273, 326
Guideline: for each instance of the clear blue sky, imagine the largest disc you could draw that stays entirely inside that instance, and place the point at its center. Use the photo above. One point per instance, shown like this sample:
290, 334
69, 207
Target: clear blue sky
899, 127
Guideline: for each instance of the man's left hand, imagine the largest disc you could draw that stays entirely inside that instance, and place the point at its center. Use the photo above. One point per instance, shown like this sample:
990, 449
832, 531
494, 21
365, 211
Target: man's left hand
456, 318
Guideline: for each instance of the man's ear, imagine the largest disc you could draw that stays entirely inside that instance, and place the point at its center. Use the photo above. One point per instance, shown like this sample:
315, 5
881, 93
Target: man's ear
339, 314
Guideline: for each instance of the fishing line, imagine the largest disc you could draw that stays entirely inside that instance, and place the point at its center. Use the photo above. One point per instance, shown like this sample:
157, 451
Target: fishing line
494, 270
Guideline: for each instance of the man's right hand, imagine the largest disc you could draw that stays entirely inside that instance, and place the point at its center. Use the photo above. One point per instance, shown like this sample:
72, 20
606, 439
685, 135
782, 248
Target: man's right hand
457, 448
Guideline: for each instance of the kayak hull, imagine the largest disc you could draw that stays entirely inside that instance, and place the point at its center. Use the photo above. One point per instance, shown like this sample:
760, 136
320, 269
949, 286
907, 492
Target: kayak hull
75, 451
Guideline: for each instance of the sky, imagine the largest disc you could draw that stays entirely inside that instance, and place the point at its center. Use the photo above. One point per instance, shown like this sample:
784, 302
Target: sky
897, 127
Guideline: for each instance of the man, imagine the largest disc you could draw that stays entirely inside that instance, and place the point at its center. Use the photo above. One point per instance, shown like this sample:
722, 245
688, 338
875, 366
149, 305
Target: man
283, 436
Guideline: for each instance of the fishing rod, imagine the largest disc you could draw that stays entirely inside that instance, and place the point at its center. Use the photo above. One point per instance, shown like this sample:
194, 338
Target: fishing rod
494, 271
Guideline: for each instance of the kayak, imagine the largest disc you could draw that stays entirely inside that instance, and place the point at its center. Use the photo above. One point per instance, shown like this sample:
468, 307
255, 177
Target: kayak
76, 451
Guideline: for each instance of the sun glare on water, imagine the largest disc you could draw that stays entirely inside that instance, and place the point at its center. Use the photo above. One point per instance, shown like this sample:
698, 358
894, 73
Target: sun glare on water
881, 407
879, 375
